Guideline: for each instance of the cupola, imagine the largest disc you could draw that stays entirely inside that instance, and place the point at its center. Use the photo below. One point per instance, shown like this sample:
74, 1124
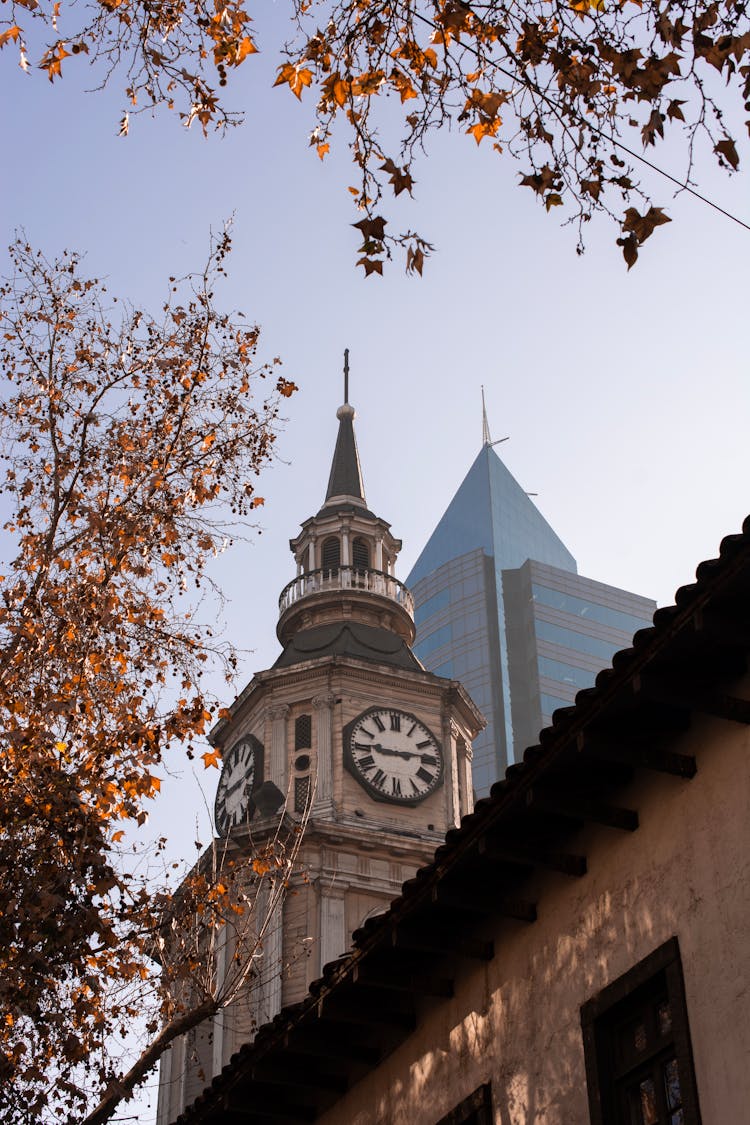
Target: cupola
345, 558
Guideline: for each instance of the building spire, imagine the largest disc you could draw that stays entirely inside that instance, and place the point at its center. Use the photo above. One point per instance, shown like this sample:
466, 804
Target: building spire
345, 481
486, 438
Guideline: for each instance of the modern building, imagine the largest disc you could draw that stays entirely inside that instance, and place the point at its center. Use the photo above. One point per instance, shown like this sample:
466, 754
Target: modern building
347, 746
577, 951
499, 605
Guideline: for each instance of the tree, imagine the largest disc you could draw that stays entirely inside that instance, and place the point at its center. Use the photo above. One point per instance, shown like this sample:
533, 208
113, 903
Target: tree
128, 442
569, 88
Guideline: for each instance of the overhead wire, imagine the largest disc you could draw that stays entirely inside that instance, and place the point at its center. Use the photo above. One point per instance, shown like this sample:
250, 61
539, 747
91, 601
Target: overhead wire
590, 125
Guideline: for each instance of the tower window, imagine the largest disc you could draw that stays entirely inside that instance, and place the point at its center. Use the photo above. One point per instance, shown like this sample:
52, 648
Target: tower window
301, 793
303, 732
360, 554
331, 553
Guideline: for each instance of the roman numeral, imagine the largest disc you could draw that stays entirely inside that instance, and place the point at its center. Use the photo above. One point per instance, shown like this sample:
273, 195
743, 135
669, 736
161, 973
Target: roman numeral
426, 776
366, 763
421, 745
428, 760
378, 722
395, 722
361, 746
366, 733
378, 778
396, 787
411, 730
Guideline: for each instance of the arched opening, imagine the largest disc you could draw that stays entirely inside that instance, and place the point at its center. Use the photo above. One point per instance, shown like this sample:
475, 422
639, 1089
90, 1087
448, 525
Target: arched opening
360, 554
331, 556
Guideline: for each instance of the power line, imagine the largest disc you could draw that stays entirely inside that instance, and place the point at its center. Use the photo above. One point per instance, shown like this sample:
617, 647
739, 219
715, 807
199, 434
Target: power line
600, 133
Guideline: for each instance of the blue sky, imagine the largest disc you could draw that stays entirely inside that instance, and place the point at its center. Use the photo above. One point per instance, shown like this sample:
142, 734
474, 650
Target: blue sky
626, 395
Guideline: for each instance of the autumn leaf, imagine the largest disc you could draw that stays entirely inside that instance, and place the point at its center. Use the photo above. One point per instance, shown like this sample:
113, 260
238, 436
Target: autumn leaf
371, 265
211, 758
726, 149
373, 228
10, 34
296, 77
643, 226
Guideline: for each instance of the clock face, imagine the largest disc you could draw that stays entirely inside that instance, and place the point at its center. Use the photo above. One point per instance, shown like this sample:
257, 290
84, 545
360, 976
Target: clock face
393, 756
242, 770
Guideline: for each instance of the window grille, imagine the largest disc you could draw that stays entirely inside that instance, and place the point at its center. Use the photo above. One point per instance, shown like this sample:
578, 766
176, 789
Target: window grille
303, 732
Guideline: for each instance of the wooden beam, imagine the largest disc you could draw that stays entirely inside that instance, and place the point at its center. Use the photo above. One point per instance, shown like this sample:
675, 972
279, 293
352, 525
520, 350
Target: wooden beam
722, 628
429, 939
323, 1043
273, 1107
299, 1074
692, 697
416, 984
529, 855
573, 807
470, 899
638, 754
360, 1011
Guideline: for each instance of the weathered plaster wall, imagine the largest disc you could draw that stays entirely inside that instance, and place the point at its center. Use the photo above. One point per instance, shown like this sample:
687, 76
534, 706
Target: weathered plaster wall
515, 1021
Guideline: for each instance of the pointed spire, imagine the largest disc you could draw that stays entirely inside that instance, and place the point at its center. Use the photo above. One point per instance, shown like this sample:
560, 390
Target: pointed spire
345, 480
486, 438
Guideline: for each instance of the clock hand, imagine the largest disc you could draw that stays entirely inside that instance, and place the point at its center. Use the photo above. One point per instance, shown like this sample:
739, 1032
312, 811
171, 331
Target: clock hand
236, 785
394, 753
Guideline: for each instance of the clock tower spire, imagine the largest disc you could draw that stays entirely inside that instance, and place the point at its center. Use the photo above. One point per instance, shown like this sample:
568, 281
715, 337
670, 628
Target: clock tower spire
346, 744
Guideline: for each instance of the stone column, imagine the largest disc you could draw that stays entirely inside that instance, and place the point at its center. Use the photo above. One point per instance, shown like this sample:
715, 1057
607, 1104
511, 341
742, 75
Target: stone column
323, 781
273, 956
278, 762
165, 1111
311, 555
346, 557
468, 755
450, 732
378, 561
333, 940
221, 1016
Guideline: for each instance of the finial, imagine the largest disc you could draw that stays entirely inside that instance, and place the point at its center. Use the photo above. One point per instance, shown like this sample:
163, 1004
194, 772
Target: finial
346, 374
486, 438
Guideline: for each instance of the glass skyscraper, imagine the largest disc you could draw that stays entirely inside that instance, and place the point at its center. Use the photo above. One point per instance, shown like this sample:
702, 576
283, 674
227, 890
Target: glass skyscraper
499, 605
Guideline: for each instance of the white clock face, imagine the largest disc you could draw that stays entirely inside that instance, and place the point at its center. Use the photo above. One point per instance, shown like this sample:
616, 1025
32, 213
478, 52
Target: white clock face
235, 784
393, 756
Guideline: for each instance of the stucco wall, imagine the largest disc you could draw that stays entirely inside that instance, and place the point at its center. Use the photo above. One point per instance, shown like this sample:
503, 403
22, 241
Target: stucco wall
515, 1021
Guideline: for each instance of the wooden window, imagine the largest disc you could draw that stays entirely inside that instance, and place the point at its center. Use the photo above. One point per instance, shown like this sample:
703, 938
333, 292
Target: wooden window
474, 1110
331, 559
360, 554
639, 1063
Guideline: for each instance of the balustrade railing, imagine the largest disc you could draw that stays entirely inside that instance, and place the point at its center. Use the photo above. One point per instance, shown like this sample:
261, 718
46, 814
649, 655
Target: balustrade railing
345, 578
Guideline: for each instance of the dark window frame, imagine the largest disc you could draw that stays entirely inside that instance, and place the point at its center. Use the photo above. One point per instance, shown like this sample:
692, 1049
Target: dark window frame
474, 1110
600, 1017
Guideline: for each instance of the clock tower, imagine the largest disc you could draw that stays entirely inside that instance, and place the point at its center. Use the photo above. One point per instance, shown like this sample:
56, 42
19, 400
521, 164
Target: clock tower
350, 736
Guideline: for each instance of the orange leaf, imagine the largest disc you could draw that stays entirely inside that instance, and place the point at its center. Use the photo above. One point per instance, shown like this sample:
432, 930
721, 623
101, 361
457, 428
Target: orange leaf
11, 33
211, 758
246, 47
323, 150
